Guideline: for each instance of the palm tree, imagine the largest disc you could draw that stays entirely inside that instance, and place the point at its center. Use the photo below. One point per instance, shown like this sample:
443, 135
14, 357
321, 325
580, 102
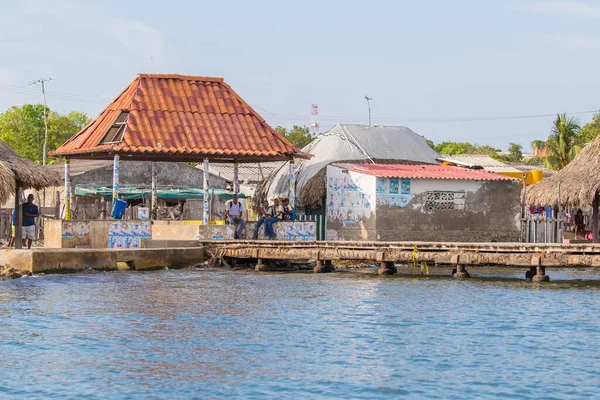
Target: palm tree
562, 145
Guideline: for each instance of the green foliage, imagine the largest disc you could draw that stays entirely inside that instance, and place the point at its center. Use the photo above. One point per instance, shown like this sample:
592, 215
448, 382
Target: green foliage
535, 161
589, 131
563, 144
22, 128
299, 136
463, 148
515, 152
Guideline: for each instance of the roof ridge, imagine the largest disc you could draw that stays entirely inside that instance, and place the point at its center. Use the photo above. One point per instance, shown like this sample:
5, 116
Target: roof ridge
182, 77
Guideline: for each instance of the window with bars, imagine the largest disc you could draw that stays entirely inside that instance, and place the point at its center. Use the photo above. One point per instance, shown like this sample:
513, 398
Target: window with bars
115, 132
438, 200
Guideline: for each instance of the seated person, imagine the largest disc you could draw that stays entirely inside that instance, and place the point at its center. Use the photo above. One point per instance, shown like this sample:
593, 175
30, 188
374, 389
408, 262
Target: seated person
289, 213
265, 212
579, 224
277, 216
234, 213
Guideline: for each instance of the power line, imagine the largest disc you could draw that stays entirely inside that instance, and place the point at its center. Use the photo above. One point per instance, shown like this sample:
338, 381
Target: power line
54, 95
435, 119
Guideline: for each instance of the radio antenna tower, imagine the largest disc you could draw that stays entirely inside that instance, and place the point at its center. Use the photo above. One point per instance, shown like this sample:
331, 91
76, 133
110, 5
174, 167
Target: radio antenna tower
314, 120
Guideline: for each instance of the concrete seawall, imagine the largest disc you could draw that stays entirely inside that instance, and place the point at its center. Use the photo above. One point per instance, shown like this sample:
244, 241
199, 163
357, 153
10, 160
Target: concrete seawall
73, 260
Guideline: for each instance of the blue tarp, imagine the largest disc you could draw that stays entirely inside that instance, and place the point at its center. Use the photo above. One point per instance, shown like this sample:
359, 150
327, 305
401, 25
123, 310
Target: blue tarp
132, 193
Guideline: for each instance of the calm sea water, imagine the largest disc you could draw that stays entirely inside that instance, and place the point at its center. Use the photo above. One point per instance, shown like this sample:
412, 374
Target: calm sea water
215, 334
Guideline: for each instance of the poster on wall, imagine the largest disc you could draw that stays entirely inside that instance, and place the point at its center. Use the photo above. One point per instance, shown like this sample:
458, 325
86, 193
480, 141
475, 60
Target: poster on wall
405, 186
347, 199
394, 183
380, 188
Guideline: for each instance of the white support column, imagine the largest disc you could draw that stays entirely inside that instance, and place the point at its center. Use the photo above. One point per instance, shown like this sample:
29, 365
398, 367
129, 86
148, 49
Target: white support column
205, 217
153, 197
67, 189
115, 193
292, 195
236, 180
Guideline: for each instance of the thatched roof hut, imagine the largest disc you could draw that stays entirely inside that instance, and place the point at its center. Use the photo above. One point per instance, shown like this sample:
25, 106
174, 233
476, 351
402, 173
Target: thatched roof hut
30, 175
579, 181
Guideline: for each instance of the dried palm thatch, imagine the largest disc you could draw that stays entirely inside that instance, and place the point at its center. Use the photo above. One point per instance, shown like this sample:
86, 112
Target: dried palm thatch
579, 181
314, 189
16, 168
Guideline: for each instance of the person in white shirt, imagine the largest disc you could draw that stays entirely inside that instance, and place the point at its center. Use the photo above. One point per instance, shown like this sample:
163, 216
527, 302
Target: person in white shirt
234, 212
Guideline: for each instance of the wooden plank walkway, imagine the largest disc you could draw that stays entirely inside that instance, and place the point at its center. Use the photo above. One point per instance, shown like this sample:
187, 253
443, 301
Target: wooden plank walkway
512, 255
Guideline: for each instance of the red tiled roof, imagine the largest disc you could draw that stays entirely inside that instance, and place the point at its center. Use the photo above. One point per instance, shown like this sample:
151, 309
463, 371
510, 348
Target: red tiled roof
181, 118
423, 172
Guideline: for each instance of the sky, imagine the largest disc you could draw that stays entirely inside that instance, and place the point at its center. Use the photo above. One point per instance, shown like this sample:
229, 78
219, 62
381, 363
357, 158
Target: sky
488, 72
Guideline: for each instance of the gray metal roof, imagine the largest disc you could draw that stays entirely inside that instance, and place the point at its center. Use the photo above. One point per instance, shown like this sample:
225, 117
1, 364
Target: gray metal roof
482, 160
392, 144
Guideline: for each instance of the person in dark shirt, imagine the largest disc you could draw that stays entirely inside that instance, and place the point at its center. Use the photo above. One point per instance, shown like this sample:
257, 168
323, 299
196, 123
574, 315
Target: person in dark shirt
579, 224
30, 212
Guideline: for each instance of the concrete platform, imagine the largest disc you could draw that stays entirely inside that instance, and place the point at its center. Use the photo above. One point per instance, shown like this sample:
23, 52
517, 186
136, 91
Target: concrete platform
73, 260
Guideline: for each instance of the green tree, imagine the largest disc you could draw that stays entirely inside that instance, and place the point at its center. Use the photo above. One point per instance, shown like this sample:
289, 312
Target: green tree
464, 148
562, 145
455, 148
22, 128
515, 152
299, 136
589, 131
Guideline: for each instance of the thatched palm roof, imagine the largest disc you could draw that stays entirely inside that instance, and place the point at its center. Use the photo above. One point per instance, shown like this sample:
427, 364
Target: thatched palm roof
31, 175
579, 181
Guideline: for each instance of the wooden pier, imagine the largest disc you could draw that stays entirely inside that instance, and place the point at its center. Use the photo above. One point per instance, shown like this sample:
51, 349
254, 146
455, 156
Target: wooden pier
533, 257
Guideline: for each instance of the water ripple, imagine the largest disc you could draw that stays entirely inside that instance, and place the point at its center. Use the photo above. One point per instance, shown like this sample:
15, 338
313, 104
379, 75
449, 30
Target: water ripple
199, 334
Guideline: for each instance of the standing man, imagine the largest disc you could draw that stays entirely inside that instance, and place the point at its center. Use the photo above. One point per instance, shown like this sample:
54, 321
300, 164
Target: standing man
234, 212
30, 212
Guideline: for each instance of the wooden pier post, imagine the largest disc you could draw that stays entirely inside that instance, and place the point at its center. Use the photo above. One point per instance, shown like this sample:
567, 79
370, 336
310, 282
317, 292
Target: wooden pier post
461, 271
259, 265
387, 268
323, 266
540, 276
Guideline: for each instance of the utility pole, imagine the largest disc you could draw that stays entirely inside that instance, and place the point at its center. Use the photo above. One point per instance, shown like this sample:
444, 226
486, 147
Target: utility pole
368, 99
45, 146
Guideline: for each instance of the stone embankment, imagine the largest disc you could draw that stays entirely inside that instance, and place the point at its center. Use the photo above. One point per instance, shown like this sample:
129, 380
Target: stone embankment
11, 273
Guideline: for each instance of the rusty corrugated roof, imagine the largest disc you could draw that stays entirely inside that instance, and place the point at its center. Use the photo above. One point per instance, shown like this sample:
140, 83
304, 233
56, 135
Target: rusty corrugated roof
181, 118
423, 172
